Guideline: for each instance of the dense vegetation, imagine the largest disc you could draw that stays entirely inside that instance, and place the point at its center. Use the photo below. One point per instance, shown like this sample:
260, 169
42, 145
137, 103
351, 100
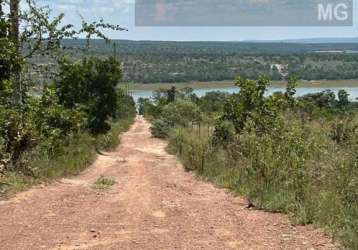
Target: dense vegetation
55, 131
285, 154
150, 62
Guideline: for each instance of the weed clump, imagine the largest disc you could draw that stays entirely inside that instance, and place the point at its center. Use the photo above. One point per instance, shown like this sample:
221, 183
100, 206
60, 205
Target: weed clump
103, 183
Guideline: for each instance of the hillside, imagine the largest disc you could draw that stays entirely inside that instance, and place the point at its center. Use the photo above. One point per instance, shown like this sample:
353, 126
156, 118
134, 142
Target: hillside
152, 61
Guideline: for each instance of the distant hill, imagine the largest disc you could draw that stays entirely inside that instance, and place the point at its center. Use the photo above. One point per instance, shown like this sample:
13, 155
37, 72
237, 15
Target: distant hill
164, 61
217, 48
332, 40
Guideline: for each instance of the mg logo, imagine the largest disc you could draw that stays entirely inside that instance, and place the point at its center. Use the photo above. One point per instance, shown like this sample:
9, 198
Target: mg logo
315, 13
333, 12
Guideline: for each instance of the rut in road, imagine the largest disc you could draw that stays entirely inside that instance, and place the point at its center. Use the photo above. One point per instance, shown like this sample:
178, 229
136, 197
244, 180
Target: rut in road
155, 204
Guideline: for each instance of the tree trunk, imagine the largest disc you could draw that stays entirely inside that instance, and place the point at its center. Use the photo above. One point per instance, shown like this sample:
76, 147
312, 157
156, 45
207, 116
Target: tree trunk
14, 36
2, 28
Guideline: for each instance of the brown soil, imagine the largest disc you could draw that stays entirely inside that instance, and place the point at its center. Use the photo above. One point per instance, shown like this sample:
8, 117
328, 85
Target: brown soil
154, 205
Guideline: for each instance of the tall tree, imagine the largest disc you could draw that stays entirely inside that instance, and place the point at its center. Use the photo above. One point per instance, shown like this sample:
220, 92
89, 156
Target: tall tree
14, 36
32, 31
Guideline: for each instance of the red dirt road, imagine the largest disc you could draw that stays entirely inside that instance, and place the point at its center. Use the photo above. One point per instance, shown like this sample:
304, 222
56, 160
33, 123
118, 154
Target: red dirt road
154, 205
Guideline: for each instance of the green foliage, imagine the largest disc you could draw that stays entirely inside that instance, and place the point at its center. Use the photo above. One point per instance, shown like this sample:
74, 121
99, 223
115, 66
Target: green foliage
161, 128
70, 157
181, 113
51, 120
343, 99
110, 140
126, 106
90, 86
325, 99
224, 132
45, 135
282, 156
16, 138
104, 183
148, 108
212, 102
250, 104
342, 130
173, 62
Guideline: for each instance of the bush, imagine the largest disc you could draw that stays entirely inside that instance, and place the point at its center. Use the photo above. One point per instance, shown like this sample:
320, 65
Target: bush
91, 86
16, 137
224, 132
57, 133
181, 113
299, 170
285, 155
110, 140
161, 128
126, 106
52, 121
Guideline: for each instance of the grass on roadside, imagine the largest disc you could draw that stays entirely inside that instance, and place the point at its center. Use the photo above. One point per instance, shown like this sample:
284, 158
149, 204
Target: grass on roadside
302, 172
72, 157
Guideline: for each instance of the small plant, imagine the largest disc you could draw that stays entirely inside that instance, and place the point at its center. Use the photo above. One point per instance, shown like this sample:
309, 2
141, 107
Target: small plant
104, 183
161, 128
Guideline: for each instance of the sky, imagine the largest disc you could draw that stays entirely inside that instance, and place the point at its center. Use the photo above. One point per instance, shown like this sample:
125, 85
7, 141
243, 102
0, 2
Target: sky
122, 12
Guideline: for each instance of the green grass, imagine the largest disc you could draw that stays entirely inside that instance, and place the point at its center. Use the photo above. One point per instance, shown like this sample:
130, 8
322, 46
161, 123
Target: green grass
12, 183
103, 183
71, 158
111, 140
301, 172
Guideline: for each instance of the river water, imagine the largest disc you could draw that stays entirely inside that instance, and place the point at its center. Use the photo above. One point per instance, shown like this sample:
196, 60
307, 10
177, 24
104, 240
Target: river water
353, 91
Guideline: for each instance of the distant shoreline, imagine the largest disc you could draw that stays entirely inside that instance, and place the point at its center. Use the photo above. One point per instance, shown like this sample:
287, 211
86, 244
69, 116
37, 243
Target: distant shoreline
225, 84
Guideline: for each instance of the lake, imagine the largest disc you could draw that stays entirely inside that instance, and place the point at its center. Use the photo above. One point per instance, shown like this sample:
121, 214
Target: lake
353, 91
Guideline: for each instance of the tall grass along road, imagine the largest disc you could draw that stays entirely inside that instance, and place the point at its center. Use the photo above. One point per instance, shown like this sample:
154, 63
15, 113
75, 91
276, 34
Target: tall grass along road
140, 197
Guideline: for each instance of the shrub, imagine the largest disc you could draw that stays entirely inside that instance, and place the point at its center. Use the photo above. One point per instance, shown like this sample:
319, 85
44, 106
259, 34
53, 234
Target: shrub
126, 106
110, 140
90, 85
224, 132
285, 155
298, 170
161, 128
51, 120
148, 109
17, 136
181, 113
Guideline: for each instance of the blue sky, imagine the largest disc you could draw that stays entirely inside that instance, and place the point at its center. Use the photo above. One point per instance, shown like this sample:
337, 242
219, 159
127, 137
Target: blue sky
122, 12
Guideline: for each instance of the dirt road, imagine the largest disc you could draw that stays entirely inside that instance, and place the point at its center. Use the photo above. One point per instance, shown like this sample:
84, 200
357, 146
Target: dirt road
155, 204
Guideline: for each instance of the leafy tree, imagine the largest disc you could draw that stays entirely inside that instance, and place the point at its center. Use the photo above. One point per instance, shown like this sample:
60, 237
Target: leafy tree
29, 31
126, 106
343, 99
181, 113
16, 137
291, 91
161, 128
171, 94
51, 120
90, 85
10, 60
241, 107
324, 99
213, 101
44, 119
